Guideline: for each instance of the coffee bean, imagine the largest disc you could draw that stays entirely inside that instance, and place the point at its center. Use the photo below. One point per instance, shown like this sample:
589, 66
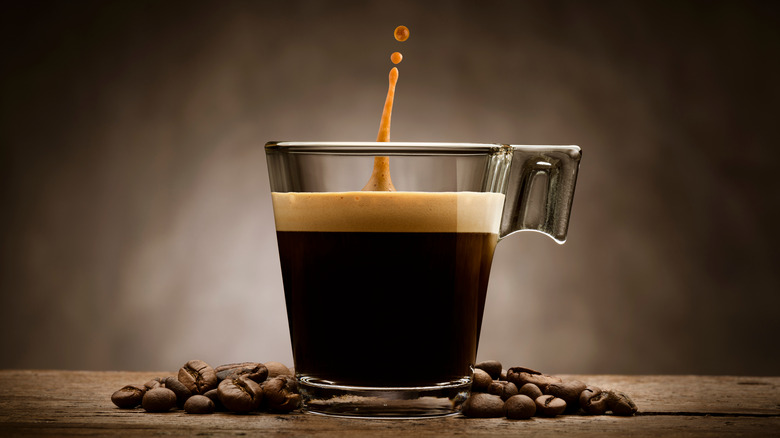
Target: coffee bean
519, 407
257, 372
276, 369
159, 400
568, 390
594, 401
481, 405
213, 394
550, 406
281, 394
198, 376
480, 381
510, 390
530, 390
502, 376
592, 389
502, 389
178, 388
154, 383
496, 388
620, 404
199, 404
492, 367
240, 394
129, 396
520, 376
223, 371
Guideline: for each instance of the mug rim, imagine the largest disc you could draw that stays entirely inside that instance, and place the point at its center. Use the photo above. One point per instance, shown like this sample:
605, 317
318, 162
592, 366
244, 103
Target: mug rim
396, 148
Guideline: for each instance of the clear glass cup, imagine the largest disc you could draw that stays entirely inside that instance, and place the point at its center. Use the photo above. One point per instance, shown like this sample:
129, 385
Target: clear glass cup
385, 290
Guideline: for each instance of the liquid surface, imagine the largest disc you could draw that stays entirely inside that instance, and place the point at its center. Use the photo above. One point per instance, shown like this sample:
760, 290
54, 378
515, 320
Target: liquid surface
449, 212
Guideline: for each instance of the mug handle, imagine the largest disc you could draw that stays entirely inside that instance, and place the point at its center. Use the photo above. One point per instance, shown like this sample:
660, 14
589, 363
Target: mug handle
540, 190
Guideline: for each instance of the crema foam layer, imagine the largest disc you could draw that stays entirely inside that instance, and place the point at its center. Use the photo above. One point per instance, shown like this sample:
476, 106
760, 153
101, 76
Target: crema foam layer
410, 212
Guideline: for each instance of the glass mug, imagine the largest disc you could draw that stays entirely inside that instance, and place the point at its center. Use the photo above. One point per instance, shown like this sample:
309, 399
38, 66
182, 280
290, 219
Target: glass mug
385, 290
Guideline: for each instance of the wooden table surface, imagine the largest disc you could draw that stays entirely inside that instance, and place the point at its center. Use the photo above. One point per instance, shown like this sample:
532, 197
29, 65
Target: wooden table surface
59, 403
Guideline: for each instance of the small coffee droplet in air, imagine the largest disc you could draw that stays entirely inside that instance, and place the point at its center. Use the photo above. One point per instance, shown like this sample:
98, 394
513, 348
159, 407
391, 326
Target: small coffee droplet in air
401, 33
396, 57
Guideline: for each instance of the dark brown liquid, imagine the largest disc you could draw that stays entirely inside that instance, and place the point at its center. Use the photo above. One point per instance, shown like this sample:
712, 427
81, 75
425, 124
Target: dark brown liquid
385, 309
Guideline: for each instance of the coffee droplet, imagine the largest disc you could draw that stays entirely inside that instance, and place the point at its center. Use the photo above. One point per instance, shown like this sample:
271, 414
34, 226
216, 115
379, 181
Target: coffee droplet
396, 57
380, 176
401, 33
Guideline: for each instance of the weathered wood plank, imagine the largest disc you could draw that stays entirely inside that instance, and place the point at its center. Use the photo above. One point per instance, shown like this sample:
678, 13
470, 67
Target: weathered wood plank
57, 403
696, 394
316, 426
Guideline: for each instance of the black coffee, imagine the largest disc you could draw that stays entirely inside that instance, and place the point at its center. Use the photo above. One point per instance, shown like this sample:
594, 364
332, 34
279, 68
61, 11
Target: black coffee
385, 308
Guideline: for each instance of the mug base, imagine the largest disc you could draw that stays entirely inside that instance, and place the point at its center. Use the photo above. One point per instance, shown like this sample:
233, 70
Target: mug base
322, 397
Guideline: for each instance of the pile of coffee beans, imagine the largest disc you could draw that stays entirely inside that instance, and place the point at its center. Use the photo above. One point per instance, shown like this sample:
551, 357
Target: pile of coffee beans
517, 393
200, 389
521, 393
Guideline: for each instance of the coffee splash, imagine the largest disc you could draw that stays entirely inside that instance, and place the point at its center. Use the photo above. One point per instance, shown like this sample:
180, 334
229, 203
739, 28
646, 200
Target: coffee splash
380, 176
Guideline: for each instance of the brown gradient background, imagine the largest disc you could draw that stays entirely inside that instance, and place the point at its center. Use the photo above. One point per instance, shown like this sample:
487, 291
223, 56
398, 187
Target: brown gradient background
136, 224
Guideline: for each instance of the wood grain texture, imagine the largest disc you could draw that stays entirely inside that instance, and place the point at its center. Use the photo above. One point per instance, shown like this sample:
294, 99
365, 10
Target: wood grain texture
77, 403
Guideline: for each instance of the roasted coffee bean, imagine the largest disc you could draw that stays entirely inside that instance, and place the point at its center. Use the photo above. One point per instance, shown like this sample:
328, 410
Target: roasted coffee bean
257, 372
592, 389
593, 401
159, 400
502, 389
198, 376
178, 388
568, 390
213, 394
519, 407
620, 404
240, 394
492, 367
510, 390
502, 376
276, 369
481, 405
480, 381
154, 383
496, 388
129, 396
520, 376
550, 406
531, 390
223, 371
199, 404
281, 394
